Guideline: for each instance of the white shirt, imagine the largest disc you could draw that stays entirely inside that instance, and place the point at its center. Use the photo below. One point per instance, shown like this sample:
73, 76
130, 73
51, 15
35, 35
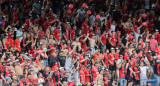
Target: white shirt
102, 19
71, 76
113, 27
143, 74
68, 63
92, 19
40, 80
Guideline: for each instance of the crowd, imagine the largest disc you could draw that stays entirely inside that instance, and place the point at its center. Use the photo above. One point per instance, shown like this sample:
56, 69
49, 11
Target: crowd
79, 42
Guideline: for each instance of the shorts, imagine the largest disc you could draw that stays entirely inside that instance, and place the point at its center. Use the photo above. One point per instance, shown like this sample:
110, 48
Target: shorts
117, 71
112, 68
143, 82
1, 82
93, 50
45, 62
97, 36
128, 78
122, 81
151, 68
136, 82
103, 46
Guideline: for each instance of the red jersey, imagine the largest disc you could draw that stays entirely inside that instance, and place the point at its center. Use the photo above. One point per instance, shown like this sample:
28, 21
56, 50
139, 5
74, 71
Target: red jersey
158, 51
95, 72
105, 58
96, 30
16, 16
11, 42
42, 19
137, 74
111, 59
141, 44
116, 56
113, 40
83, 45
40, 34
87, 78
17, 44
72, 34
82, 75
106, 81
56, 34
125, 56
52, 51
103, 39
27, 22
85, 28
121, 72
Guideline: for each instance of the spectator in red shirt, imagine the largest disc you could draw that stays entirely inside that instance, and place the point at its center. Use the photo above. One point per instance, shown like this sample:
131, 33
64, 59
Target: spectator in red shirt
87, 73
17, 43
112, 39
158, 50
82, 75
56, 34
95, 71
85, 26
28, 22
103, 40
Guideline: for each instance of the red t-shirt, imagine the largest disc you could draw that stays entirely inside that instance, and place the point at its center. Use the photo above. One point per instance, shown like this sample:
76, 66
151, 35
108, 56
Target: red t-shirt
137, 74
125, 56
5, 12
87, 78
42, 19
111, 58
17, 44
158, 51
85, 28
52, 51
83, 45
11, 42
113, 40
5, 73
56, 34
72, 34
27, 23
1, 68
103, 39
2, 24
106, 81
28, 81
141, 44
16, 16
116, 56
96, 30
82, 75
105, 58
80, 57
95, 72
53, 66
45, 25
41, 33
121, 72
130, 37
